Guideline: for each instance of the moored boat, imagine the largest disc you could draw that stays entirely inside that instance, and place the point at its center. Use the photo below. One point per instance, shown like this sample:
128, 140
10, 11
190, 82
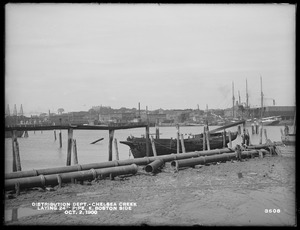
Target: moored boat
169, 145
288, 139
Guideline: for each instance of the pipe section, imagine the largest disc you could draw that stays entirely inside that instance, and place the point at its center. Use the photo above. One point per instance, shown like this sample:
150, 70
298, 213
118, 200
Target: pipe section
152, 167
137, 161
54, 179
209, 159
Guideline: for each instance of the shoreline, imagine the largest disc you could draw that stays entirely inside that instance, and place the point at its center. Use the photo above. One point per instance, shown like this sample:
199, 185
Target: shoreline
222, 194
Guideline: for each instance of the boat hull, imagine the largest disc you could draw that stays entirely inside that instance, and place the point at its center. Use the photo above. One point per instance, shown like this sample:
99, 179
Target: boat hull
289, 139
169, 146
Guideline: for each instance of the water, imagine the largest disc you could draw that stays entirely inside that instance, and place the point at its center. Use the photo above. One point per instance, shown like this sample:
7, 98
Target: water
40, 150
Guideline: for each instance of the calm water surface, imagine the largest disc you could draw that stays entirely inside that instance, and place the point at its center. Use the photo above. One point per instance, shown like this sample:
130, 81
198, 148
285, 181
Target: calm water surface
40, 150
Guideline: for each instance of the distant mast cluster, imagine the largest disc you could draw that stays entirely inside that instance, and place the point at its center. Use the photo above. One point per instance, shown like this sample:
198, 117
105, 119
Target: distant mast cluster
15, 113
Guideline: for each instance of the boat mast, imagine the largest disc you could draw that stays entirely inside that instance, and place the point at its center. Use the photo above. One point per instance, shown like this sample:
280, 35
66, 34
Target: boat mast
233, 99
262, 98
247, 93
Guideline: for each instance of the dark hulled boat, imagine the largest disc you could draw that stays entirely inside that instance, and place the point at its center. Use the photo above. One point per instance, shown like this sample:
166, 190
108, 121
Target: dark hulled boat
168, 145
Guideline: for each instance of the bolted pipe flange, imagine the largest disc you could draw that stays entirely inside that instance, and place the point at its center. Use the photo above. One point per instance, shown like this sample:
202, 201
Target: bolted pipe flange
35, 172
59, 180
93, 171
43, 180
79, 168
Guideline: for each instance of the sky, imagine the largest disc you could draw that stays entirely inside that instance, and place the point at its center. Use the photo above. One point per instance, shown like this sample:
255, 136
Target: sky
169, 56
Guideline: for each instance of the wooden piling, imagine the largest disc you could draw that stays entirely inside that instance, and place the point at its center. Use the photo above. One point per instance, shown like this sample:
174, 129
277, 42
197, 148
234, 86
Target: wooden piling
177, 138
14, 166
153, 147
182, 144
204, 137
69, 150
111, 138
17, 188
147, 141
244, 134
60, 139
266, 136
156, 132
116, 149
54, 135
75, 158
14, 214
59, 180
17, 155
260, 134
207, 140
239, 130
248, 136
230, 141
224, 138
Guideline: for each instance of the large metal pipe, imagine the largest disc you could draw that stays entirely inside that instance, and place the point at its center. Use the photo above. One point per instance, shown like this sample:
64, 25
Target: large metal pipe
137, 161
209, 159
45, 180
263, 146
153, 166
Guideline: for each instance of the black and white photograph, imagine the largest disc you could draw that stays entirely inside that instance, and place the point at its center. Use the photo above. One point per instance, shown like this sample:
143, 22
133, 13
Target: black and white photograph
150, 114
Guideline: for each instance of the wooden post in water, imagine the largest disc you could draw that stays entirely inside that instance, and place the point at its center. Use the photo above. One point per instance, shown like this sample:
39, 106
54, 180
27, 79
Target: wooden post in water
230, 142
60, 139
17, 155
239, 130
54, 135
266, 136
244, 132
204, 137
207, 140
69, 150
260, 134
153, 146
116, 149
14, 166
248, 136
224, 138
110, 143
147, 135
147, 141
182, 144
75, 158
156, 132
177, 126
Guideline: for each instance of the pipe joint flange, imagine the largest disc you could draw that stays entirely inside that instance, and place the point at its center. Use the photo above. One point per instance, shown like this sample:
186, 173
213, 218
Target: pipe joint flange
148, 160
79, 168
94, 173
35, 172
43, 180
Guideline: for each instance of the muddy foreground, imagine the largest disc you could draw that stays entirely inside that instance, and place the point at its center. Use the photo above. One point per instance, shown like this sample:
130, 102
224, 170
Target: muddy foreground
224, 194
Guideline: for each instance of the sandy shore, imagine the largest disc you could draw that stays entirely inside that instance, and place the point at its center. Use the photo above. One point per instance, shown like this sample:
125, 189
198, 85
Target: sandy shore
223, 194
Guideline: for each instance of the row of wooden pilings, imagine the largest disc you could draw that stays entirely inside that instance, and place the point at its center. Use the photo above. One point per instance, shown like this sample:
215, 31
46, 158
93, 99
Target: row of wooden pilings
72, 144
